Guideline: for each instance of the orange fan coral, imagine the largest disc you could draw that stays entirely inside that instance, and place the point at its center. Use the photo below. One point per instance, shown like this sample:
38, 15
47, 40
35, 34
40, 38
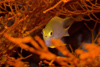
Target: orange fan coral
20, 20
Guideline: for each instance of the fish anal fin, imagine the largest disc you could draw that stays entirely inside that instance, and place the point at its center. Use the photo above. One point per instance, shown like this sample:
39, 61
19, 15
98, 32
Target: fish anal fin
52, 46
66, 35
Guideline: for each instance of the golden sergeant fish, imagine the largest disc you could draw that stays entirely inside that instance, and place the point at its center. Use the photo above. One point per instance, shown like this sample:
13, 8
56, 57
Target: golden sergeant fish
55, 29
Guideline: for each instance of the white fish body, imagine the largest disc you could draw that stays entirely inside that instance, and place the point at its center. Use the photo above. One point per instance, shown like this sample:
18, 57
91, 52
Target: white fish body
54, 29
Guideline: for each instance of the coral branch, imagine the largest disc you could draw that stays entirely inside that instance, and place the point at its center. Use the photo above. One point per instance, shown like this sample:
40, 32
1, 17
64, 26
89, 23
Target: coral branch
65, 1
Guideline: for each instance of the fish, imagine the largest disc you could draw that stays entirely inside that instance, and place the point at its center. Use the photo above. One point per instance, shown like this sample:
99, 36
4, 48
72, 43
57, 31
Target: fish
56, 28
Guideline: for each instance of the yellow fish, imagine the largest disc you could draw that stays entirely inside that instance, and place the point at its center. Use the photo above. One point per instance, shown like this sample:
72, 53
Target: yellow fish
55, 29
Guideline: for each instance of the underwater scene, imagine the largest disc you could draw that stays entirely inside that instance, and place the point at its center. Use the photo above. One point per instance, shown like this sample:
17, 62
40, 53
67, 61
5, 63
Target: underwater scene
49, 33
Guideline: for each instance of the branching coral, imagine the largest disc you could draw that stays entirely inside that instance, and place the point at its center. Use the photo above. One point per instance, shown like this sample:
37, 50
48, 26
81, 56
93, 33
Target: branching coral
65, 1
85, 58
21, 19
43, 52
11, 61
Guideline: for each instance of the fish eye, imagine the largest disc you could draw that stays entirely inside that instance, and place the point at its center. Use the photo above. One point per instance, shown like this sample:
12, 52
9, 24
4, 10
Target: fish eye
50, 33
45, 36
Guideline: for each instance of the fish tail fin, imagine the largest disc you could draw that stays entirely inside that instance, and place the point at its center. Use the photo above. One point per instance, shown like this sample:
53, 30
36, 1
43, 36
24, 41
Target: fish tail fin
67, 23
